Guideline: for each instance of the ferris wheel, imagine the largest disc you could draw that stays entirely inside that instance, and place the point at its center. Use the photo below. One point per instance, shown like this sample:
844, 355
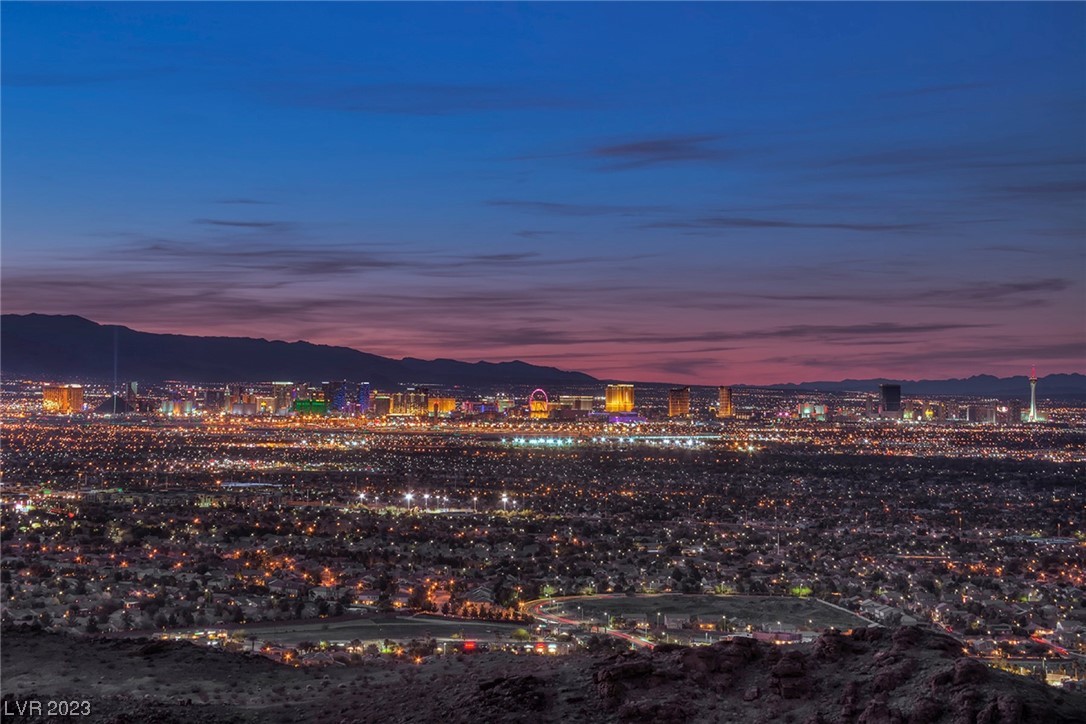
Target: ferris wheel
538, 404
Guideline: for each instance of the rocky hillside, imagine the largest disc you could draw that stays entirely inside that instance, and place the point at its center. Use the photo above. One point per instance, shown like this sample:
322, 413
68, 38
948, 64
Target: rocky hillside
870, 676
71, 348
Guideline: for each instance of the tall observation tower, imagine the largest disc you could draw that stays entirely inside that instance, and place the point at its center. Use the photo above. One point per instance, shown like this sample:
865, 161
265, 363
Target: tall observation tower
1032, 395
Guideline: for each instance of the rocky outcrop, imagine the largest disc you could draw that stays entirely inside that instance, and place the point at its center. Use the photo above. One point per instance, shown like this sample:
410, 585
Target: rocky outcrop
867, 676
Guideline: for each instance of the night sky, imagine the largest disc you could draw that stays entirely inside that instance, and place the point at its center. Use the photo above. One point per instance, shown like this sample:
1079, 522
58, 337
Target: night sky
704, 193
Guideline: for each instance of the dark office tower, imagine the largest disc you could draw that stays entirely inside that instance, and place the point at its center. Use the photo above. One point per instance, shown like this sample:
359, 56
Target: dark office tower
234, 394
131, 395
215, 399
889, 398
382, 405
365, 389
283, 396
339, 396
678, 402
724, 404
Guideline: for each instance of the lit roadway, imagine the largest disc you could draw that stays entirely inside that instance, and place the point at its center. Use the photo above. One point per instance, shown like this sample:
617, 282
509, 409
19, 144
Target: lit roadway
535, 609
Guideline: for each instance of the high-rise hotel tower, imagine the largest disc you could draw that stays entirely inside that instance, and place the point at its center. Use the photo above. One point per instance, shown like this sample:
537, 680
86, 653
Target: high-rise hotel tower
620, 398
724, 404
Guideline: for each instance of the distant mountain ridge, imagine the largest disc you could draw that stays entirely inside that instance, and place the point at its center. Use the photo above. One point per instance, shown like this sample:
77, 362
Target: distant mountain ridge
1055, 385
69, 347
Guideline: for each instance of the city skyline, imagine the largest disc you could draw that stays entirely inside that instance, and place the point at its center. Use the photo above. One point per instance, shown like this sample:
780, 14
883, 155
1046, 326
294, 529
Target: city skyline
697, 194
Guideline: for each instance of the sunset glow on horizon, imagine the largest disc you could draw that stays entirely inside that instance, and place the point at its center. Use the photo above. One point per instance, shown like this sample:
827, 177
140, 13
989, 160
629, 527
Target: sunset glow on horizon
693, 193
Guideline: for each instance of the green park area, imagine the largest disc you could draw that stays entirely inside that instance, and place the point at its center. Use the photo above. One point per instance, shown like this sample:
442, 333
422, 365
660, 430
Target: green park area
369, 630
764, 611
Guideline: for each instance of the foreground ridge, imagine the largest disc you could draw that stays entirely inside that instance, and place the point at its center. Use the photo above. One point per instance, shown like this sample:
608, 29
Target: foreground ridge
867, 676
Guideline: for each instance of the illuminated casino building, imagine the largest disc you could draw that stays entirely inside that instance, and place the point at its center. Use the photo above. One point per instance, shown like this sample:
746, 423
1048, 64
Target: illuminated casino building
411, 402
441, 406
724, 404
538, 405
578, 403
310, 407
812, 411
620, 398
62, 399
678, 402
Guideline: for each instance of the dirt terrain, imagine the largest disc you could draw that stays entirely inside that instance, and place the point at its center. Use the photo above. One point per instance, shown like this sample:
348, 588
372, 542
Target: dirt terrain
869, 676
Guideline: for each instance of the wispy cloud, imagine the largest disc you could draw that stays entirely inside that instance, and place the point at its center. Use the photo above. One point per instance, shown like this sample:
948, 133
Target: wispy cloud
1000, 291
504, 257
417, 99
934, 90
543, 336
1012, 249
1048, 189
659, 151
1010, 158
286, 251
734, 222
241, 200
245, 224
67, 79
683, 367
1034, 292
570, 209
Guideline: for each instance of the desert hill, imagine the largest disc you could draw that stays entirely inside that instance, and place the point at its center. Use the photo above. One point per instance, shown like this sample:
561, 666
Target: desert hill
869, 676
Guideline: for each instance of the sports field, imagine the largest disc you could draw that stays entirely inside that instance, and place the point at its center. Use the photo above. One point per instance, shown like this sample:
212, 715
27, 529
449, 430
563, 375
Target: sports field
754, 610
367, 630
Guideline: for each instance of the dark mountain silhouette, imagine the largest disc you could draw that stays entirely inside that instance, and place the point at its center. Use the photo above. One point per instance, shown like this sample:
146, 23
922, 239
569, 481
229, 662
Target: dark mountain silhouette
69, 347
1056, 385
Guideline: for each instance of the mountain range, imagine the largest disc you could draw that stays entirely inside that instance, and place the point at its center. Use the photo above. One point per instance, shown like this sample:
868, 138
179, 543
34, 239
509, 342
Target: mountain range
68, 347
1055, 385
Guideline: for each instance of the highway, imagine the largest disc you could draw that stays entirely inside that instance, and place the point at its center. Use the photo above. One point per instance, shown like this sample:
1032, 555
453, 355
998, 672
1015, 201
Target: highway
535, 609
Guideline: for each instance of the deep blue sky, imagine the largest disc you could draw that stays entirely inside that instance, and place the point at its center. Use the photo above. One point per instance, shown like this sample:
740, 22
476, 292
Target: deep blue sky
711, 193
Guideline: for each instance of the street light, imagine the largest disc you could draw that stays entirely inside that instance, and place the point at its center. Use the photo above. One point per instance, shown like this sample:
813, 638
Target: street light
426, 499
474, 503
505, 500
409, 497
